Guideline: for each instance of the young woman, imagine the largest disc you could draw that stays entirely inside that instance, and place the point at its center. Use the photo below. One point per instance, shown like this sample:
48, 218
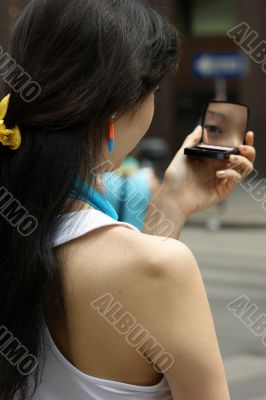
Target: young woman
67, 284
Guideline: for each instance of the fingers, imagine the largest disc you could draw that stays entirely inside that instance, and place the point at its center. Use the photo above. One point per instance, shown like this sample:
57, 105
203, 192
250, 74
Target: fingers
197, 132
194, 138
241, 164
229, 174
239, 168
244, 164
249, 152
205, 136
250, 138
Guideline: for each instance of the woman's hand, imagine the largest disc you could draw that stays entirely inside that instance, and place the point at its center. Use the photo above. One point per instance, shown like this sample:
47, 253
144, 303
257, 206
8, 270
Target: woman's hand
199, 183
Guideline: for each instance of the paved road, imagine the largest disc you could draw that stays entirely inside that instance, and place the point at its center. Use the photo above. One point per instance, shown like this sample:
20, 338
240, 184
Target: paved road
233, 264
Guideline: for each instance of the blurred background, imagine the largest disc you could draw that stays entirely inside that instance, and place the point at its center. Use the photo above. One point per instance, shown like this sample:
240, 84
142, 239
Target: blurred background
229, 241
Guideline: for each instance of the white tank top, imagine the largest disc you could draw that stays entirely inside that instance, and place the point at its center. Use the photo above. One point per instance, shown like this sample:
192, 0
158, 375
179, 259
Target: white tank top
62, 380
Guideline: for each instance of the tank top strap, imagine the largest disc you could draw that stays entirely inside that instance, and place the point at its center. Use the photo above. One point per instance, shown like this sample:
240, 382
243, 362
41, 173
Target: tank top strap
78, 223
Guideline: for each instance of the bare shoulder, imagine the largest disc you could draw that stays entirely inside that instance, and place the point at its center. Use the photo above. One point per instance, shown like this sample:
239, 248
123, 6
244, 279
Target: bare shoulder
133, 252
116, 257
127, 263
160, 258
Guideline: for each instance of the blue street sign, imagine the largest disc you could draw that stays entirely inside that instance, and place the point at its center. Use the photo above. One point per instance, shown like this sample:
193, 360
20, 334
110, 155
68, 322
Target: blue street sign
219, 65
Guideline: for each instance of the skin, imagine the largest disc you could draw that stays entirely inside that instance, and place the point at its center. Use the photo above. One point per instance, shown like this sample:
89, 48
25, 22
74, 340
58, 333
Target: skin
129, 130
228, 123
155, 279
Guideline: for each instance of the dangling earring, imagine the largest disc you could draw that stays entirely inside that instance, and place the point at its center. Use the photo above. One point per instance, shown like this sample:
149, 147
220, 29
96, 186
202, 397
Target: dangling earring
111, 136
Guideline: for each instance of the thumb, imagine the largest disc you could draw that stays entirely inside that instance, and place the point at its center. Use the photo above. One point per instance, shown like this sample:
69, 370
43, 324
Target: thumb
194, 138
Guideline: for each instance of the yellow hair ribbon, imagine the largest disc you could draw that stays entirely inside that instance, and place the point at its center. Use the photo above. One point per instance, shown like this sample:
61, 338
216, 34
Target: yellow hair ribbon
8, 137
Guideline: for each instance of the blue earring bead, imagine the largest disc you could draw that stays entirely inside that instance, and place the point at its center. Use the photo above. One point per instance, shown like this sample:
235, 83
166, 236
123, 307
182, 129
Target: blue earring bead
111, 145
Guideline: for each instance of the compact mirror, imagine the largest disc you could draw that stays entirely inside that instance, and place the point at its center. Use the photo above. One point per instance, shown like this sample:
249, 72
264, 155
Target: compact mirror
224, 127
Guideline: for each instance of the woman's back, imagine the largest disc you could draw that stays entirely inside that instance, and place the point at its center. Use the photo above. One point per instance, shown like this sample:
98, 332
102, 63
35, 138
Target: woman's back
85, 351
113, 274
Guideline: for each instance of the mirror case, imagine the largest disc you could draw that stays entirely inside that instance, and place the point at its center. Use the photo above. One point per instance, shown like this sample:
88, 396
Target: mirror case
219, 152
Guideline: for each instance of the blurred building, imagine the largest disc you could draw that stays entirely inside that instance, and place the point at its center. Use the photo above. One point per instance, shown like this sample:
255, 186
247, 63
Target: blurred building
203, 25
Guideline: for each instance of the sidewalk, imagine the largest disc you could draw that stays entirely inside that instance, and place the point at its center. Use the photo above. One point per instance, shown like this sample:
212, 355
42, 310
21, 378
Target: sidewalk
245, 381
239, 211
233, 264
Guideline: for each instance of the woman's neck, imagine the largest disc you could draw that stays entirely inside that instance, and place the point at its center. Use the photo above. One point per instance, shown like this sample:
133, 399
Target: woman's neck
78, 205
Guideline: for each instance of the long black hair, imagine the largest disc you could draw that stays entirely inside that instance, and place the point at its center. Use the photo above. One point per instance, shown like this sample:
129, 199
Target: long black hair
86, 60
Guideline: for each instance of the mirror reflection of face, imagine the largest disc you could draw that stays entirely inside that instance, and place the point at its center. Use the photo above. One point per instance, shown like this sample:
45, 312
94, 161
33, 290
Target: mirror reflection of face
225, 124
